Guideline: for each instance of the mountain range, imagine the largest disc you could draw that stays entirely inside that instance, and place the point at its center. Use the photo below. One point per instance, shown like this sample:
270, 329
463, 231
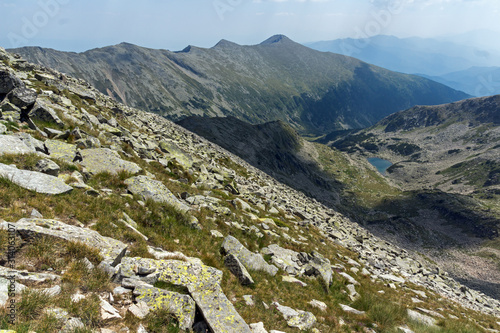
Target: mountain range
315, 92
456, 62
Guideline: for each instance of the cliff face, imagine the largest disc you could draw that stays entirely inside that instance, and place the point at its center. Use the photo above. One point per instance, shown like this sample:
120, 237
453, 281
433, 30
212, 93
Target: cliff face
114, 219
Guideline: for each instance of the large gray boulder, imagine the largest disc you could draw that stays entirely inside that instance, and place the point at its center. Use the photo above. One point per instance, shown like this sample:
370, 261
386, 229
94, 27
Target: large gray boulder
22, 97
42, 111
182, 306
251, 261
61, 150
34, 181
8, 81
318, 265
202, 282
285, 259
110, 249
295, 263
106, 160
10, 144
155, 190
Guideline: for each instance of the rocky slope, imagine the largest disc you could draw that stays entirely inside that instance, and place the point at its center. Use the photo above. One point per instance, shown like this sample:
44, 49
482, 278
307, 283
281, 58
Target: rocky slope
315, 92
116, 220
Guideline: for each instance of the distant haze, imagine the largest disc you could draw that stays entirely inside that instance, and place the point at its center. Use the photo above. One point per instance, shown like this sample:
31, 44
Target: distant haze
72, 25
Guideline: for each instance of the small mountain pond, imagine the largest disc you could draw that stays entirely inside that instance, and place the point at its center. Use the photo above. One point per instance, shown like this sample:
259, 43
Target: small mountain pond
380, 164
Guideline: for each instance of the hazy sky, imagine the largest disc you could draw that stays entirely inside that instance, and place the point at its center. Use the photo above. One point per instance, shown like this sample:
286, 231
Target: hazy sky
73, 25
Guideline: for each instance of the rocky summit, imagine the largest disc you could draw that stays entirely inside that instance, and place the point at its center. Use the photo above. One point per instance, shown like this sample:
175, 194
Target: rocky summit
118, 220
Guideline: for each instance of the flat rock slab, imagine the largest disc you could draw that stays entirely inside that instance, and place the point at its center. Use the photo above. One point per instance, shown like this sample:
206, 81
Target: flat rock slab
202, 282
250, 260
27, 277
10, 144
111, 249
106, 160
34, 181
182, 306
155, 190
61, 150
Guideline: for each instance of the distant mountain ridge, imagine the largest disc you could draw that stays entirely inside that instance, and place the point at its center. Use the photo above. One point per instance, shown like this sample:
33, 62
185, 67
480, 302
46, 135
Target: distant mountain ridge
428, 56
314, 92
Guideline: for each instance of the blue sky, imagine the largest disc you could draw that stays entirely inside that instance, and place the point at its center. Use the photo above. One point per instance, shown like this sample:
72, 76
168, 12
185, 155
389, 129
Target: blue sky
73, 25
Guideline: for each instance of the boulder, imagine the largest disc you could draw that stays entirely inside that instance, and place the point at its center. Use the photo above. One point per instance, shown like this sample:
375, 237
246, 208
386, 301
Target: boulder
139, 310
34, 181
5, 287
22, 97
61, 150
181, 306
319, 266
348, 309
258, 328
177, 154
106, 160
237, 268
155, 190
25, 276
48, 167
8, 81
251, 261
88, 143
202, 282
110, 249
31, 142
296, 318
421, 318
10, 144
72, 325
43, 112
3, 129
108, 312
285, 259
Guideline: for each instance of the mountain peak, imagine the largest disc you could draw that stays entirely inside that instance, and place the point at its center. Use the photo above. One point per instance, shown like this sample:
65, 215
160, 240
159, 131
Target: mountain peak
276, 39
223, 43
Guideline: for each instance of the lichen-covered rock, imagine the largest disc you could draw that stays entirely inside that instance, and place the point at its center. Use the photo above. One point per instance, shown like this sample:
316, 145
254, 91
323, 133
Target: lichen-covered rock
155, 190
43, 112
61, 150
110, 249
251, 261
177, 154
10, 144
285, 259
237, 268
296, 318
34, 181
319, 266
182, 306
202, 282
106, 160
